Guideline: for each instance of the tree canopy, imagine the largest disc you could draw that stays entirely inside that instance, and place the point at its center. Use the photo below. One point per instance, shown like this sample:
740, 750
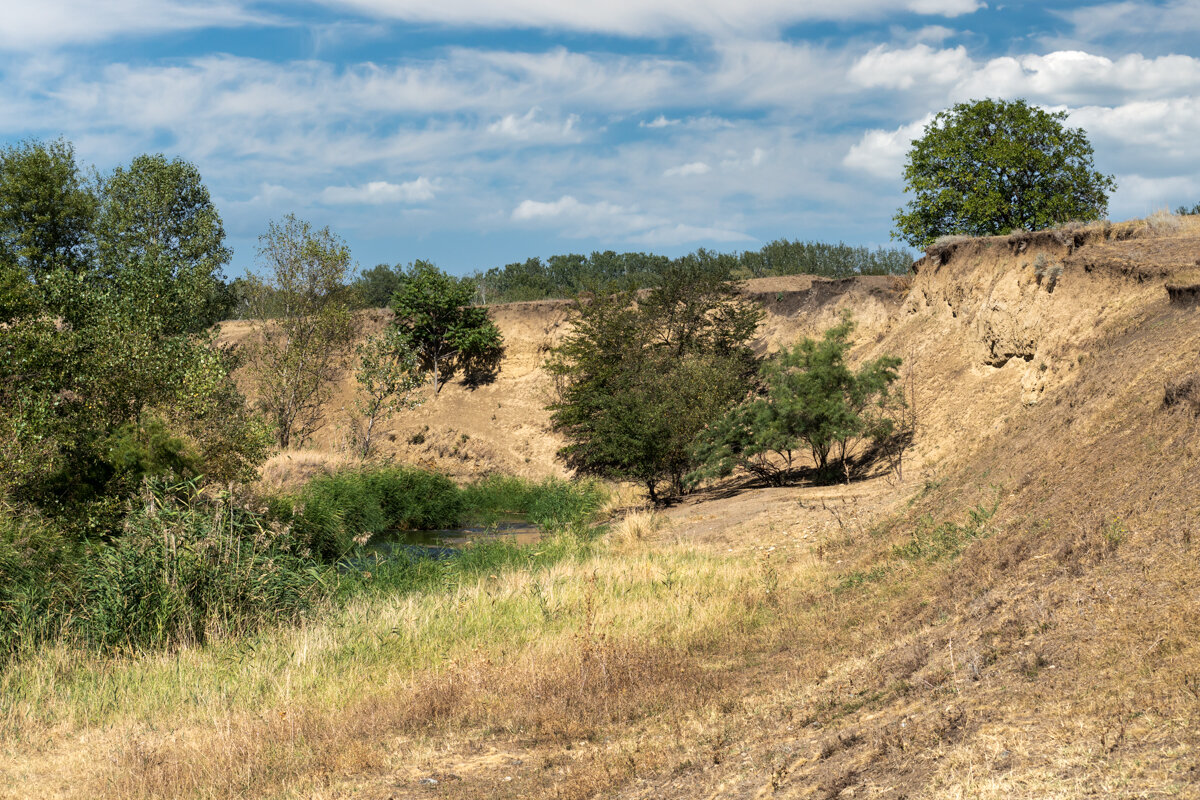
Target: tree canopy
989, 167
811, 399
436, 318
639, 377
107, 374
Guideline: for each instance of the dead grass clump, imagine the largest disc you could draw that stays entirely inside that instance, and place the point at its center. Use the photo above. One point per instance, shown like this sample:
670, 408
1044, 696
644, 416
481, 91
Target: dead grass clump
1163, 221
635, 527
292, 469
579, 694
1183, 393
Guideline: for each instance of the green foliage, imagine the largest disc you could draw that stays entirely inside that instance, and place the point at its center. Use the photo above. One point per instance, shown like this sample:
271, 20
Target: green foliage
161, 246
932, 542
35, 587
639, 377
47, 209
334, 513
551, 504
105, 300
387, 376
305, 325
1184, 210
185, 570
437, 321
573, 274
990, 167
374, 287
145, 449
811, 399
331, 515
186, 567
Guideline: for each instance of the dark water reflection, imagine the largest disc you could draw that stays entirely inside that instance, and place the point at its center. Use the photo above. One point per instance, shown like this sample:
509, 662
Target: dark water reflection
445, 542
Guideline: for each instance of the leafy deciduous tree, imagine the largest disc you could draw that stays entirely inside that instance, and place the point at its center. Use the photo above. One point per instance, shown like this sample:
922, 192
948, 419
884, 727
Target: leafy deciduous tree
436, 318
990, 167
376, 285
639, 377
388, 373
161, 244
305, 325
812, 399
47, 208
90, 369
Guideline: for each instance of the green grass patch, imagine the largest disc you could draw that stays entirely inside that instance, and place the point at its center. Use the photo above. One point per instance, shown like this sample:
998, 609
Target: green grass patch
552, 504
932, 542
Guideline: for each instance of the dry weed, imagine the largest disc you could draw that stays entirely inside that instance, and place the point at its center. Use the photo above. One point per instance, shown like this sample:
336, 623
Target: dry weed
636, 527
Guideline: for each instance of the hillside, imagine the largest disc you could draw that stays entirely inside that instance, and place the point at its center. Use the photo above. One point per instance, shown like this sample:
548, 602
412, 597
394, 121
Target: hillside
504, 426
1019, 616
1055, 656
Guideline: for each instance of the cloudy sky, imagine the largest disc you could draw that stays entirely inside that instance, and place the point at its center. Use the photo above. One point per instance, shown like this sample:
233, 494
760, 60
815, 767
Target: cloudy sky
478, 132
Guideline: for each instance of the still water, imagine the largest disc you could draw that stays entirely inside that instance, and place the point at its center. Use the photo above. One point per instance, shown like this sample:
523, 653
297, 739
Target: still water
445, 542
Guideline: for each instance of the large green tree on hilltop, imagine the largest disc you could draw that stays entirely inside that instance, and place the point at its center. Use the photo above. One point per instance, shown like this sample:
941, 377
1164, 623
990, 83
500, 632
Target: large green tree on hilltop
437, 319
990, 167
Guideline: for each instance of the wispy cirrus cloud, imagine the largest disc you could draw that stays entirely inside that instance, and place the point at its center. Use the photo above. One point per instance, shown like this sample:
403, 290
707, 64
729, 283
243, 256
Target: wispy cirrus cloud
650, 17
33, 26
380, 192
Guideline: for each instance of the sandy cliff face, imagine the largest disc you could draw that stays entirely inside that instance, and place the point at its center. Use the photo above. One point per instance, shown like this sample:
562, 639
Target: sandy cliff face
990, 328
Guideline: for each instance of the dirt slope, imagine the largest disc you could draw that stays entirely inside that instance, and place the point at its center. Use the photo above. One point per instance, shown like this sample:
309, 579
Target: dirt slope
1054, 655
503, 426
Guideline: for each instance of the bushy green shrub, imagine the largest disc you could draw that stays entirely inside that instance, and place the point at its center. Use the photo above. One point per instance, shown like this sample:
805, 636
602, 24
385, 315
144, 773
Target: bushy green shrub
184, 570
334, 512
35, 587
552, 504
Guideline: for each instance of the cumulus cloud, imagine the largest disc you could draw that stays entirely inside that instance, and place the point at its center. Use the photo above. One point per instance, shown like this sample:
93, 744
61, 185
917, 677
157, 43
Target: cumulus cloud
1063, 76
903, 69
378, 192
882, 152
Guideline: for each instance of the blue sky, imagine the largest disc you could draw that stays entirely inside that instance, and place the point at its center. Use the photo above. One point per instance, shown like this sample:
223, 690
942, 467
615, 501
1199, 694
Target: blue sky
475, 132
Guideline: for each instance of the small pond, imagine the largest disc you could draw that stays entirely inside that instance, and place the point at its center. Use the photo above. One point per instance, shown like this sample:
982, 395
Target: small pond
444, 542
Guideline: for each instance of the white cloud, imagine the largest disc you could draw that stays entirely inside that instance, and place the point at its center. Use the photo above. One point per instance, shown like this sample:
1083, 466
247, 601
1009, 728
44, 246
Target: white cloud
1143, 195
658, 122
1061, 77
1120, 19
684, 170
903, 69
378, 192
649, 17
30, 25
675, 235
534, 126
881, 153
1158, 129
614, 222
